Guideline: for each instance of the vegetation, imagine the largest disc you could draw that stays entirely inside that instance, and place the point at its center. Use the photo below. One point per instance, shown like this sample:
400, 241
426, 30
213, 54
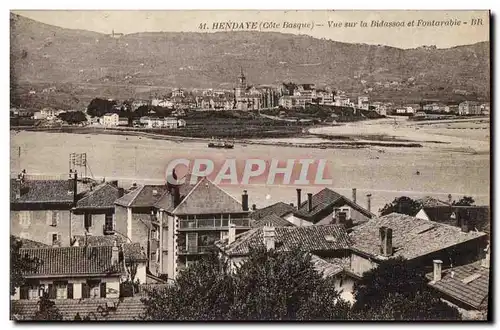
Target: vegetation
73, 117
18, 265
269, 286
402, 205
397, 291
47, 310
98, 107
465, 201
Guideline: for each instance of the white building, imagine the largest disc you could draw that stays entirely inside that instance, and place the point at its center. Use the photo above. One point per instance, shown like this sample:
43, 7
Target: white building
110, 119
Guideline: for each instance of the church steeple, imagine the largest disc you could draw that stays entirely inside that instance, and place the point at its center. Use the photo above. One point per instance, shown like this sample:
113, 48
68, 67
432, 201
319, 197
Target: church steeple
242, 84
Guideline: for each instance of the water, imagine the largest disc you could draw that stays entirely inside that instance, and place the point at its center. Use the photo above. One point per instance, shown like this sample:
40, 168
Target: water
133, 159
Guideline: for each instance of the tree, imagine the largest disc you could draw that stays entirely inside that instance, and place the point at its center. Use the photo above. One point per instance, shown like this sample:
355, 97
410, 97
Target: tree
19, 264
465, 201
402, 205
47, 310
397, 291
267, 286
98, 107
73, 117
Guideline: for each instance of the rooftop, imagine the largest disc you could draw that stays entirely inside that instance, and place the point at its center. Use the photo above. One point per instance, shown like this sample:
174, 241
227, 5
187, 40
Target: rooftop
72, 261
279, 209
429, 201
42, 191
412, 237
271, 220
208, 198
309, 239
104, 309
102, 196
142, 196
130, 250
468, 284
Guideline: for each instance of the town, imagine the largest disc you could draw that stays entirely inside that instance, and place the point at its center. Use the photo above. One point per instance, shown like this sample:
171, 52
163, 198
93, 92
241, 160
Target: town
288, 101
99, 250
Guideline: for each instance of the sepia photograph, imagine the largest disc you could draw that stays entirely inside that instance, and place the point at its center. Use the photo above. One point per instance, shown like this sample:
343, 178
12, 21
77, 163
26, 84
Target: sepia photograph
250, 165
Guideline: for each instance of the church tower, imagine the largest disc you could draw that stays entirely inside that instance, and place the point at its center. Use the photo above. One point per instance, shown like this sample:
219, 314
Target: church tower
242, 84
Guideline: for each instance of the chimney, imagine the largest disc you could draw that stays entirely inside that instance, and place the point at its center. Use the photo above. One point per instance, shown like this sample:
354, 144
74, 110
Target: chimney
254, 207
244, 200
269, 237
369, 202
354, 195
121, 192
18, 188
464, 220
114, 254
72, 184
449, 199
176, 195
309, 202
437, 270
485, 263
385, 241
299, 197
232, 233
114, 183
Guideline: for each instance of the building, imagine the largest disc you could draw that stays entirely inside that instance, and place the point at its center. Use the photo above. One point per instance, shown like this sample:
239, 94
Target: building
84, 272
40, 210
341, 100
271, 220
122, 121
246, 97
363, 102
469, 108
327, 207
279, 209
110, 119
136, 104
164, 103
305, 93
193, 222
94, 211
416, 240
466, 286
327, 244
325, 97
177, 92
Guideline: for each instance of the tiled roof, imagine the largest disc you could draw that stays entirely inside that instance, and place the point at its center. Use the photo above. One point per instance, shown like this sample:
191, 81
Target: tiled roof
323, 201
130, 250
279, 209
102, 196
166, 203
479, 216
309, 239
473, 293
127, 309
271, 220
207, 198
326, 268
30, 244
72, 261
411, 237
142, 196
42, 191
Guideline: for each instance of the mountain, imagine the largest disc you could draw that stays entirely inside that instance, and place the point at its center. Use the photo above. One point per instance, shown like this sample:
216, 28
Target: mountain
86, 64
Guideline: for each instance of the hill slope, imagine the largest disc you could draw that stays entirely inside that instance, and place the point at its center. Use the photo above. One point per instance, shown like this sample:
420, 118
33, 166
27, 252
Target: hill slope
49, 54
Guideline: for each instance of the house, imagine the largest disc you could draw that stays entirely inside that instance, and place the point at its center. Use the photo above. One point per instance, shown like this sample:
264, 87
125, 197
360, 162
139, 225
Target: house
327, 244
246, 97
84, 272
326, 207
164, 103
170, 122
122, 121
193, 222
466, 286
469, 108
363, 102
94, 211
136, 104
177, 92
40, 210
341, 100
271, 220
134, 254
110, 119
417, 240
181, 123
325, 97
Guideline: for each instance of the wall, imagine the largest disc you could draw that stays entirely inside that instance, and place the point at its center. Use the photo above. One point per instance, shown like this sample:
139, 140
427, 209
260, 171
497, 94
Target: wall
360, 264
78, 224
120, 220
38, 227
345, 286
141, 272
297, 221
140, 231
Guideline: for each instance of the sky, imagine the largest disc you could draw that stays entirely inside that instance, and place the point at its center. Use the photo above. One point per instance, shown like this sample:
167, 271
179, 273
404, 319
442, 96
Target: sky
189, 21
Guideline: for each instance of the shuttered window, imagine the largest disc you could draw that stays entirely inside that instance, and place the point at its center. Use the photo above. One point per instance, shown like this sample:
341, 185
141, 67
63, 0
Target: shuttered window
70, 291
24, 292
88, 220
52, 291
103, 290
85, 290
192, 242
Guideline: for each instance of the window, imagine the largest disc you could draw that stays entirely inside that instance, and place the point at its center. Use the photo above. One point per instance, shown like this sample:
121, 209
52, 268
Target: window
108, 221
33, 292
87, 220
54, 218
24, 218
55, 238
92, 289
192, 242
61, 290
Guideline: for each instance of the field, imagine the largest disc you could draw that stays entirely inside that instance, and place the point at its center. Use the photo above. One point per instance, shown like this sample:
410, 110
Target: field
460, 166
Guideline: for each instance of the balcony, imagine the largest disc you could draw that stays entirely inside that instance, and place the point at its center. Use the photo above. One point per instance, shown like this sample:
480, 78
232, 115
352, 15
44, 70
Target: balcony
108, 229
196, 249
217, 224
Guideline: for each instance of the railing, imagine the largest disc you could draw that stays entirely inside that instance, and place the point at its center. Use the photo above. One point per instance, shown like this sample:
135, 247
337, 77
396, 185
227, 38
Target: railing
196, 249
212, 223
108, 229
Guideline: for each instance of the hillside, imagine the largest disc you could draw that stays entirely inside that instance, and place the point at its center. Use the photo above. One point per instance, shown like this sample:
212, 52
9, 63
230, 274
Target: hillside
84, 64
